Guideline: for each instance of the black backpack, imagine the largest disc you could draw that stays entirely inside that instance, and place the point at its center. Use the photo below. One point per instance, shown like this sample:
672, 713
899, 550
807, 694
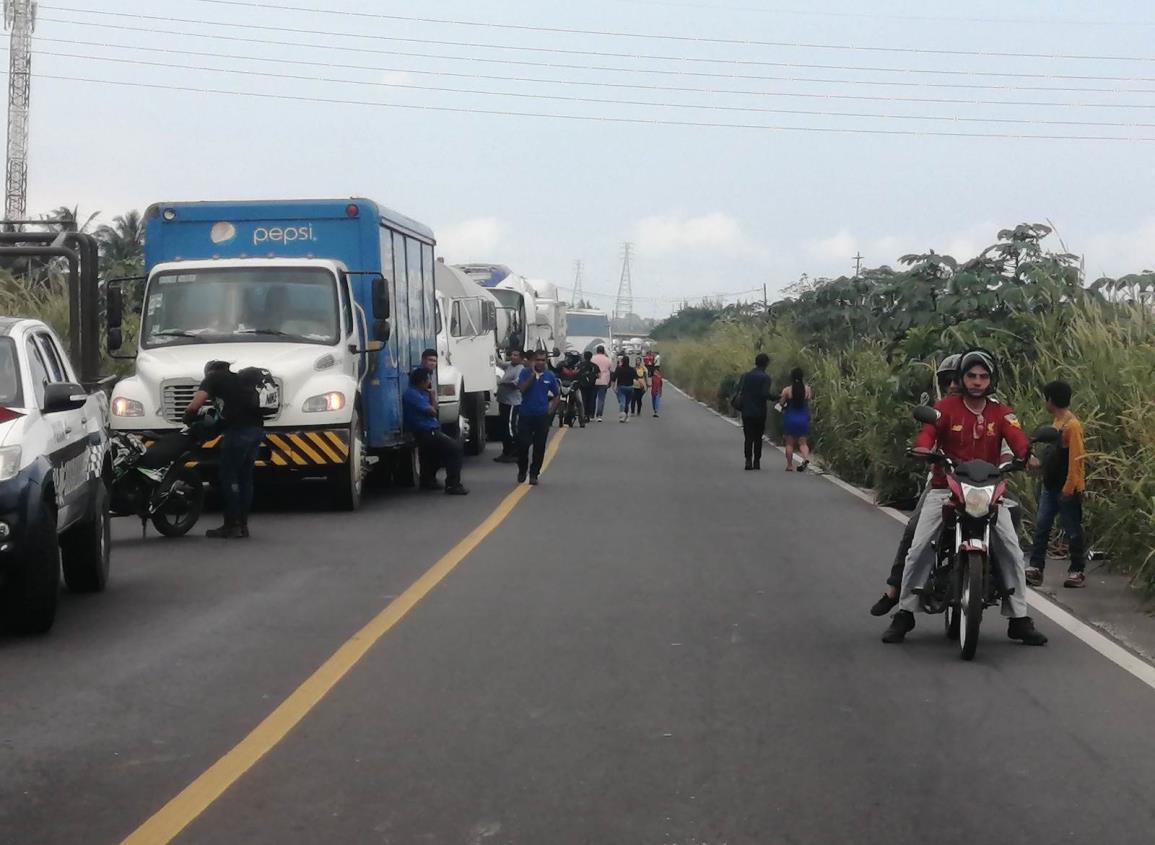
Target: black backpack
265, 393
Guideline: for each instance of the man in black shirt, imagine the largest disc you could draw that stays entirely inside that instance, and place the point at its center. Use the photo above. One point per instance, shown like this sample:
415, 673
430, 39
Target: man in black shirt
241, 436
754, 393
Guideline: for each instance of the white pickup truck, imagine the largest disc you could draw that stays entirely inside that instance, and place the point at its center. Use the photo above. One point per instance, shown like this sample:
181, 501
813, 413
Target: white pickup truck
53, 474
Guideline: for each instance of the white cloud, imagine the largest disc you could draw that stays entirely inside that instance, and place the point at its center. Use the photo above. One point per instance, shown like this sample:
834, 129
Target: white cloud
663, 235
477, 239
396, 77
1120, 253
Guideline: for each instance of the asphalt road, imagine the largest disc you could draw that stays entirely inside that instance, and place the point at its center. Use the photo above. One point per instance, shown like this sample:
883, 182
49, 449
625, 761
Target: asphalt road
653, 648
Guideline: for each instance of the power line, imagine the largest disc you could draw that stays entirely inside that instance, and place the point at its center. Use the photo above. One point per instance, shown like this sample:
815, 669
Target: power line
1015, 121
168, 51
693, 39
905, 71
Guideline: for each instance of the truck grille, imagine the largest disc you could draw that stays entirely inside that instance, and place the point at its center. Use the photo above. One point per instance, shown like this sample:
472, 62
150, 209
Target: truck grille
175, 396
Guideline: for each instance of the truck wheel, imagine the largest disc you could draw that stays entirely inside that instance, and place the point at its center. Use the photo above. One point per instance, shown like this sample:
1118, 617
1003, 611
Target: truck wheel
85, 548
475, 445
28, 600
349, 480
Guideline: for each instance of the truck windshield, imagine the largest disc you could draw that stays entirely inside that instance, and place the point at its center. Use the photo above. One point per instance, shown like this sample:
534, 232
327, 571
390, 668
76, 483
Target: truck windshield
235, 305
9, 374
510, 332
587, 325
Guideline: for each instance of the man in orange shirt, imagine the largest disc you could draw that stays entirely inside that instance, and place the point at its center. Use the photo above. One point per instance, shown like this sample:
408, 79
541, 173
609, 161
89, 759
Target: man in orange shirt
1062, 493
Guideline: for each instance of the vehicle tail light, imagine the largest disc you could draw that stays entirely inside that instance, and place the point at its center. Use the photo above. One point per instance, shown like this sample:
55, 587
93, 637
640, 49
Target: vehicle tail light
7, 415
351, 210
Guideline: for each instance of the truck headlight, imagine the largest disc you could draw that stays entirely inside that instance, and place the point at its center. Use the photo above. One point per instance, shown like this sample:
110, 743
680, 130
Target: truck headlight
9, 462
334, 400
122, 407
977, 500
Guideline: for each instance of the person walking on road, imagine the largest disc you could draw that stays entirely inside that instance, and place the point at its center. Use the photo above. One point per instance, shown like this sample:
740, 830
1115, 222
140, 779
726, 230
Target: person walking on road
508, 405
1063, 485
623, 379
435, 448
641, 382
588, 374
656, 381
795, 401
539, 397
753, 394
605, 374
242, 431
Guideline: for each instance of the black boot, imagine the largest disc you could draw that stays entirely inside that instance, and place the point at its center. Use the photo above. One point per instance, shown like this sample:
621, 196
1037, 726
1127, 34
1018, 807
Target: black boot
1023, 628
243, 531
229, 531
901, 624
884, 605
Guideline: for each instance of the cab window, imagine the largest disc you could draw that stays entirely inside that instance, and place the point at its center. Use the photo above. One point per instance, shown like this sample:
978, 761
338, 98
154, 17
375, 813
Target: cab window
39, 371
52, 357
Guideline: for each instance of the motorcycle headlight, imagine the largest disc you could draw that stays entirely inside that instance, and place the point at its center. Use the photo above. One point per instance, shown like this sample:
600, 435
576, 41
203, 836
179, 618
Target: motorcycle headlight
122, 407
977, 500
334, 400
9, 462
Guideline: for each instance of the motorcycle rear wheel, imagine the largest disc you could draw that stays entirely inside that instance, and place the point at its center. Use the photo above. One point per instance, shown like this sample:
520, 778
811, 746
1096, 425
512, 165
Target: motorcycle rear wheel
183, 507
971, 603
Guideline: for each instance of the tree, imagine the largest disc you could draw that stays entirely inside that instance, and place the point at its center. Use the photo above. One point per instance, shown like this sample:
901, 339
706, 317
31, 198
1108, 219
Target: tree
122, 245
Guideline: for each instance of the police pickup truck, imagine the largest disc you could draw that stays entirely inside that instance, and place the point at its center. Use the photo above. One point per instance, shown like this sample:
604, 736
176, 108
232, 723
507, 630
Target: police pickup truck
53, 495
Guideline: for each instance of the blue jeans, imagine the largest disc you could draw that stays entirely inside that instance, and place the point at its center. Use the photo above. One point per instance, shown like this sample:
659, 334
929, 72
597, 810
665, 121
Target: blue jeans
1070, 515
625, 397
600, 400
239, 447
656, 398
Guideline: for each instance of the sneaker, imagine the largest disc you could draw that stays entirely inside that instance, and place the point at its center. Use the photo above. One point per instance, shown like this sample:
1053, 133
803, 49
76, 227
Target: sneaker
521, 478
243, 531
1034, 576
1075, 579
901, 624
457, 490
655, 416
802, 466
757, 464
533, 480
1023, 629
749, 466
600, 419
884, 605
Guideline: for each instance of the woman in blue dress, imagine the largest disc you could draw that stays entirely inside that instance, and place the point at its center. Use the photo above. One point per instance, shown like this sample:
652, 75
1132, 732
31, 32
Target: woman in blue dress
795, 403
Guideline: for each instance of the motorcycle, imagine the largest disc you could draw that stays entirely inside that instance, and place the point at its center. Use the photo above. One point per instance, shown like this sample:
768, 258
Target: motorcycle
963, 582
570, 408
151, 478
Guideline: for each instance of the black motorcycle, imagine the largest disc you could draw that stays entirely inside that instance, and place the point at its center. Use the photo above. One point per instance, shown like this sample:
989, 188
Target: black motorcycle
963, 581
151, 478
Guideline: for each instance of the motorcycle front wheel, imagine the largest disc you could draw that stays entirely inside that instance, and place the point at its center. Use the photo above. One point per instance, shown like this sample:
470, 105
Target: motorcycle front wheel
971, 603
183, 501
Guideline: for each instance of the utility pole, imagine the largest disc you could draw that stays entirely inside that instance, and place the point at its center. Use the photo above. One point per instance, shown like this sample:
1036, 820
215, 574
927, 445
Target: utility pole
857, 264
765, 298
20, 19
578, 293
625, 302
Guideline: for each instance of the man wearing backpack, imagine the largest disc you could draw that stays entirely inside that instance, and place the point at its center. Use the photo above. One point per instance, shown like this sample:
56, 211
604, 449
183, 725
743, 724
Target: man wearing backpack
242, 431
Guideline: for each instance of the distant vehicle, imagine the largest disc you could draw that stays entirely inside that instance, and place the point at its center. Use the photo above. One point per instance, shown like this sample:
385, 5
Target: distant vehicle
54, 467
587, 329
467, 355
334, 297
551, 316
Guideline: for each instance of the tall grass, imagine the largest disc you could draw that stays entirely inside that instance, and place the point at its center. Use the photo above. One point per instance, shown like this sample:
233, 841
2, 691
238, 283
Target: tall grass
862, 401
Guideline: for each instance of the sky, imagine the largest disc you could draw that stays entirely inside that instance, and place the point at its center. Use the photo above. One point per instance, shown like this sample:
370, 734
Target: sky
733, 143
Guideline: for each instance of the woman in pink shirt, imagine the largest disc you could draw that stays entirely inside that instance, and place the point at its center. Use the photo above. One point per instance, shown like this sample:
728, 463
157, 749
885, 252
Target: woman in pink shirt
656, 389
605, 367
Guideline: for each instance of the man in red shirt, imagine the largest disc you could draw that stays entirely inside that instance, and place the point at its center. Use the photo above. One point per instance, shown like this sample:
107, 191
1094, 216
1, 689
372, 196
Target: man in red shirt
969, 428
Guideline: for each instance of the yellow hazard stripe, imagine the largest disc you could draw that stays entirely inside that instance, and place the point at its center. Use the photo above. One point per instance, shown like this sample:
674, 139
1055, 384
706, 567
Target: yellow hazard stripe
284, 447
303, 445
342, 446
324, 447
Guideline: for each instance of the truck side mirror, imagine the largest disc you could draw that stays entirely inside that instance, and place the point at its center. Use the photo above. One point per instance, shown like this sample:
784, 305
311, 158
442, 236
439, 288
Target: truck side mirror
381, 298
114, 308
381, 331
115, 339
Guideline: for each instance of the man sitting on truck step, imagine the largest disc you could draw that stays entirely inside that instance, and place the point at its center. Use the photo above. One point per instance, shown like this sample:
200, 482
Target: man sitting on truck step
434, 447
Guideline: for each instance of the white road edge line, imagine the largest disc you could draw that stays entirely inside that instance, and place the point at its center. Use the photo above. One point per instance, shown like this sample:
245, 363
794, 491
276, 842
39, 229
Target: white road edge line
1100, 642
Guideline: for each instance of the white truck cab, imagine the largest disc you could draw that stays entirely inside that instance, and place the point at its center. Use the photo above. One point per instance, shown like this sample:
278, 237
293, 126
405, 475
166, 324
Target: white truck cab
53, 470
292, 316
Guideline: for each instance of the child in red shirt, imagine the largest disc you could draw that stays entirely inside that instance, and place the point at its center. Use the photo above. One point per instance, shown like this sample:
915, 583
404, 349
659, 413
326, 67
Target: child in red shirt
656, 389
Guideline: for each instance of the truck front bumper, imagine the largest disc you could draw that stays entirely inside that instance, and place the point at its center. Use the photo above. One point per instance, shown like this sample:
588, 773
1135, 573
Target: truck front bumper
300, 449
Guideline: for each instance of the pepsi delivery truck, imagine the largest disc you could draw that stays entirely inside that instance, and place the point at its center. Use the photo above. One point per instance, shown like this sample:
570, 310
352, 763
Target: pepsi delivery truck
335, 298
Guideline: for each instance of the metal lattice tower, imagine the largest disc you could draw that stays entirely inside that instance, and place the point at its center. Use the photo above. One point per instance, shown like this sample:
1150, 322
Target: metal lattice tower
625, 303
578, 293
20, 18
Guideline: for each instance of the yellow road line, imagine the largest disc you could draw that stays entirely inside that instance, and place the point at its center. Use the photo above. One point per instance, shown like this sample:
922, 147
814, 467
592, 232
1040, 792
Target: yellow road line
199, 795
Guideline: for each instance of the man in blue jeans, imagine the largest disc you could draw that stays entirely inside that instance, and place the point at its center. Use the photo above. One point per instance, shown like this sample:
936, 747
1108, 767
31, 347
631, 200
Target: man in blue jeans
539, 397
242, 432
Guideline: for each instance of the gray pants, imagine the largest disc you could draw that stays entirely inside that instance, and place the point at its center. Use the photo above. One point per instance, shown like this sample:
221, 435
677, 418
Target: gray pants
1007, 555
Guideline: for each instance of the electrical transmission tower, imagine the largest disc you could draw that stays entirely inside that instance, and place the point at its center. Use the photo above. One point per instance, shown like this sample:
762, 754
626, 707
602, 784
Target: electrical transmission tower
20, 18
578, 293
625, 303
